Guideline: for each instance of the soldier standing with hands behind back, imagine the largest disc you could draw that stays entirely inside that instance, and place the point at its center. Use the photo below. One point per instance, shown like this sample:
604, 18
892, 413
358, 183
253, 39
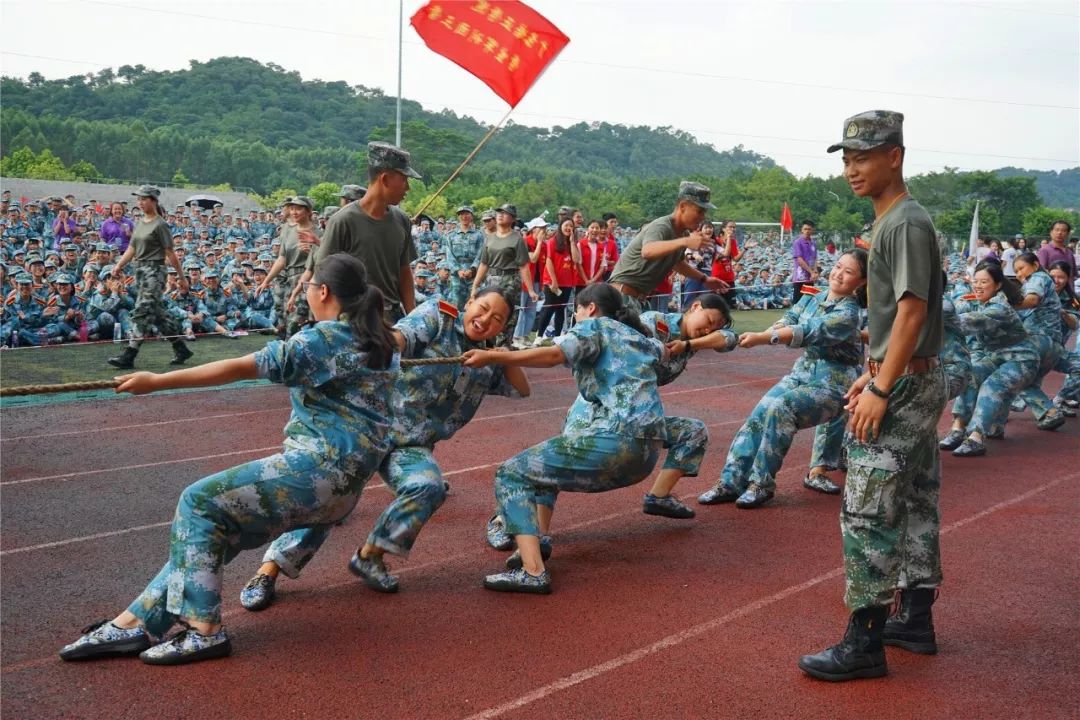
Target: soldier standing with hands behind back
890, 521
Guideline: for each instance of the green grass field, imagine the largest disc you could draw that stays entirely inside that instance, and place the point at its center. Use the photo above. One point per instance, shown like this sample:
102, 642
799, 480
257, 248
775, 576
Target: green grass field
82, 363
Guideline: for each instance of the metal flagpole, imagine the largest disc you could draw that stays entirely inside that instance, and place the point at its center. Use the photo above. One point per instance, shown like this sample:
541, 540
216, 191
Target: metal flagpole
400, 31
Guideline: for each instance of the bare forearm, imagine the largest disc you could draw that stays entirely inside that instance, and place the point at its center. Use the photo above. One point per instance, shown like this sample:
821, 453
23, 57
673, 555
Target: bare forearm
660, 248
220, 372
517, 377
543, 357
405, 288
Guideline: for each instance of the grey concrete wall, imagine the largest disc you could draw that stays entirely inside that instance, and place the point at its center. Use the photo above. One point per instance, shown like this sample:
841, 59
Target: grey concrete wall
83, 192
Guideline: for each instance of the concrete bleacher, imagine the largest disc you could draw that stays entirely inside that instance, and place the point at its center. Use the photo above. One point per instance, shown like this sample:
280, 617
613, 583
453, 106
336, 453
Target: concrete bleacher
103, 193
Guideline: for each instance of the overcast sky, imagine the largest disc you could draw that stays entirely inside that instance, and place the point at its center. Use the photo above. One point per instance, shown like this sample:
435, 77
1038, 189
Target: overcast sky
982, 84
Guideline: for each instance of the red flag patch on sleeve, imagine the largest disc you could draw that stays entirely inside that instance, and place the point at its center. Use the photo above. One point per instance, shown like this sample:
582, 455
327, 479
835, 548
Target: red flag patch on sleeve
969, 296
809, 290
448, 309
662, 328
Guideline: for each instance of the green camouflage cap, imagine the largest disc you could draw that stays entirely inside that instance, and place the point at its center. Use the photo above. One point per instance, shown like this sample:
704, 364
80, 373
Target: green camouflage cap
24, 279
147, 191
62, 279
508, 209
871, 129
299, 201
329, 210
352, 192
384, 156
696, 193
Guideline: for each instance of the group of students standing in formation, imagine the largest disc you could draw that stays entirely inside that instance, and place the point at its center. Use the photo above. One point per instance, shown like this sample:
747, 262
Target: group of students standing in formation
358, 407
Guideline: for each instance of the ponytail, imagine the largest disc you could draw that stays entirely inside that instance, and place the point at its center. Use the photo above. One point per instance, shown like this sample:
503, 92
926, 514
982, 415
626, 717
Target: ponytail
610, 302
361, 306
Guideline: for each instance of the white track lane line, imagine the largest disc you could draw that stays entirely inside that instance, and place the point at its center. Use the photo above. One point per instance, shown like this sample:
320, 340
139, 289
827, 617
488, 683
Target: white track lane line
84, 473
198, 418
697, 630
164, 523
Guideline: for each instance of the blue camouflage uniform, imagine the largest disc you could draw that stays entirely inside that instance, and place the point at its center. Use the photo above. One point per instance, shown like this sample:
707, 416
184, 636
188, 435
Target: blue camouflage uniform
613, 432
220, 303
1071, 389
1043, 324
429, 403
462, 253
259, 310
955, 358
1003, 362
811, 394
334, 440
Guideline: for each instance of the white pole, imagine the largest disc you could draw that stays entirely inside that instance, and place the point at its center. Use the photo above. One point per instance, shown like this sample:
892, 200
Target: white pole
401, 24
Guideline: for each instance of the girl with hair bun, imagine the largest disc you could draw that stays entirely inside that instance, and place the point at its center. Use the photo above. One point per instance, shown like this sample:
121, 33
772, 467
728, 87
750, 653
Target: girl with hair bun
339, 374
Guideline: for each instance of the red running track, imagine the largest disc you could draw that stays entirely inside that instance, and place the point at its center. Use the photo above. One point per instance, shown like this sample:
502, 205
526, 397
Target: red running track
650, 617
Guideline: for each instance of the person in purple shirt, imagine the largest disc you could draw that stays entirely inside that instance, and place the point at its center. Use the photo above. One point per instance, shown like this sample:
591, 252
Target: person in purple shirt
64, 228
1058, 249
804, 253
117, 229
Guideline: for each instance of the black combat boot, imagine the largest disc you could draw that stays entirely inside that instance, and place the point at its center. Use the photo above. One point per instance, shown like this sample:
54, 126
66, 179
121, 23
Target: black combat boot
125, 360
912, 627
180, 352
859, 655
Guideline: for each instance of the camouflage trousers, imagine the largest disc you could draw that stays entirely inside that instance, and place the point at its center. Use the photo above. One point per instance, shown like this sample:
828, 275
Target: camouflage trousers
290, 322
510, 283
417, 482
459, 290
984, 405
889, 521
150, 310
595, 463
829, 441
239, 509
1071, 389
1052, 357
811, 395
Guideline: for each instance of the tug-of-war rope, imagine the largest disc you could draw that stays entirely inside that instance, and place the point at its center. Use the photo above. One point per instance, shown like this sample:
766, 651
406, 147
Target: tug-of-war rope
111, 384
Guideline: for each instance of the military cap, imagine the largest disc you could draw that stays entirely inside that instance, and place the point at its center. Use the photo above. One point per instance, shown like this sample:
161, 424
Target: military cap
247, 263
62, 279
276, 241
33, 239
871, 129
18, 251
260, 268
265, 257
264, 236
24, 279
107, 270
177, 233
488, 215
352, 192
34, 258
567, 210
695, 193
211, 274
443, 265
192, 265
50, 264
465, 209
189, 229
300, 201
384, 156
147, 191
68, 246
33, 203
14, 206
170, 270
102, 247
424, 274
91, 267
329, 210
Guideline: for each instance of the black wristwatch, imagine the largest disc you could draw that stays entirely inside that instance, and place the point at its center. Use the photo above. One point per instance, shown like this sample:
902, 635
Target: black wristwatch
875, 390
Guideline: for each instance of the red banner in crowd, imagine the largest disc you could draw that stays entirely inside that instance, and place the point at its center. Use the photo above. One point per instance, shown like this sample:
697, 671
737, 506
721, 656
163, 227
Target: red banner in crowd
505, 43
785, 218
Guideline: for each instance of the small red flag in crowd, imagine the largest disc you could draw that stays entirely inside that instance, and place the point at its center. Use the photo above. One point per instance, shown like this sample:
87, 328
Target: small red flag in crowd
504, 43
785, 218
860, 243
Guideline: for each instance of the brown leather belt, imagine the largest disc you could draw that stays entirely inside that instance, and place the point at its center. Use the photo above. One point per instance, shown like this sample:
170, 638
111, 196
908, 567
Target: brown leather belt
627, 290
916, 366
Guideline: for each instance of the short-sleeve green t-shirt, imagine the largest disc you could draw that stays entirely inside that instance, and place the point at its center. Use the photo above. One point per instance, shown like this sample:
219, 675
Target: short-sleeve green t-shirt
150, 240
385, 246
504, 254
904, 258
641, 274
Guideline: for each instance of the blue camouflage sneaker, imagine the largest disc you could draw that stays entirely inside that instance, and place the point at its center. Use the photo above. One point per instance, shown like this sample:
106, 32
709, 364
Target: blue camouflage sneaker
821, 483
952, 440
754, 497
519, 581
1052, 419
374, 573
667, 506
720, 493
514, 561
104, 639
970, 448
497, 537
188, 646
259, 593
1066, 409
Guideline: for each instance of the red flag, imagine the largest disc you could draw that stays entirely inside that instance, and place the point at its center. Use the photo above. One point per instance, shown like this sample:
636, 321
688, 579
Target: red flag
785, 218
505, 43
860, 243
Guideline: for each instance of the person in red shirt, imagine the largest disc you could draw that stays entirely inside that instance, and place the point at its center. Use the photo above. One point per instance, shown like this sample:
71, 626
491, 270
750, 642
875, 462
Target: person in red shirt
593, 256
561, 271
727, 254
611, 245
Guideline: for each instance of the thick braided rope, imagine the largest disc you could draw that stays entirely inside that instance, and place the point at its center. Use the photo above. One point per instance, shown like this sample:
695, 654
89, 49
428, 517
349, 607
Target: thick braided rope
110, 384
